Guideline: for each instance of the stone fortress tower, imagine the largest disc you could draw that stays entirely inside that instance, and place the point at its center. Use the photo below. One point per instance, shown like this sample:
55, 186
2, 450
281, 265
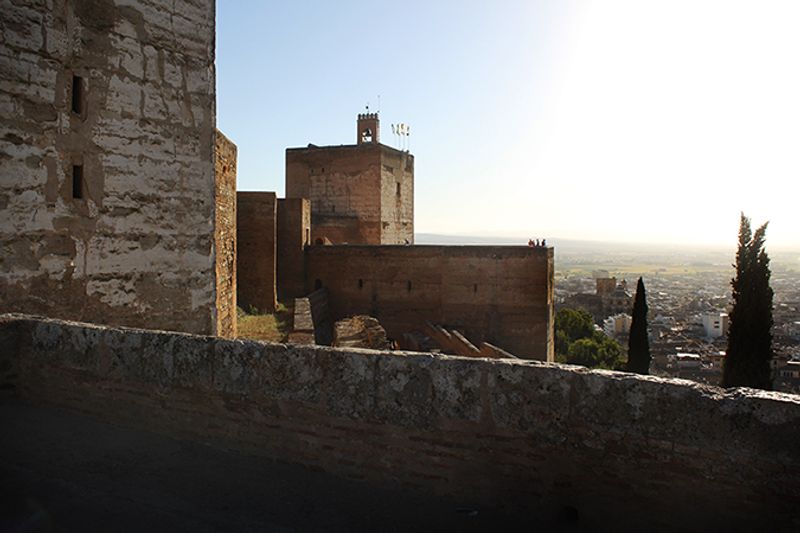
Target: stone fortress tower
361, 193
117, 193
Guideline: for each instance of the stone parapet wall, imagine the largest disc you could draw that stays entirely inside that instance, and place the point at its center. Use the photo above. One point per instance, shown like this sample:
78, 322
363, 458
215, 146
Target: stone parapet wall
621, 451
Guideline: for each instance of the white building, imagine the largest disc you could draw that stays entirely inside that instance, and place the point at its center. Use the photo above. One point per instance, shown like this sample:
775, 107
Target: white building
715, 325
685, 360
617, 325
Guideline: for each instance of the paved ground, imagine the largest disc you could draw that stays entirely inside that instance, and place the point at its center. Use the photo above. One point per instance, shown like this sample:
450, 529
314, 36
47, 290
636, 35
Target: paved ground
60, 471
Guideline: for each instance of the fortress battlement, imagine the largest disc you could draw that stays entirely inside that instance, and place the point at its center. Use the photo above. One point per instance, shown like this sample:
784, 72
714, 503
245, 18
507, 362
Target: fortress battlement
625, 452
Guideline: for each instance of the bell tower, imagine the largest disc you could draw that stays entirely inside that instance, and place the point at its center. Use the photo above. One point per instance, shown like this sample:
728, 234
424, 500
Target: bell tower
368, 128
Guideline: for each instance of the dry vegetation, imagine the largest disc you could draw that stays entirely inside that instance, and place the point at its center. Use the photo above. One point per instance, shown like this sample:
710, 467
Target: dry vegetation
267, 327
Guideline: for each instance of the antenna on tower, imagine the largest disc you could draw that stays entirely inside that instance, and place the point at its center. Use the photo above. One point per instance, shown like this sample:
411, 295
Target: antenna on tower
379, 103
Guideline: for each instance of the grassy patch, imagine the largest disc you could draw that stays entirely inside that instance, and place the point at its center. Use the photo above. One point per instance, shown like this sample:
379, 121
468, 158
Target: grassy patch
273, 327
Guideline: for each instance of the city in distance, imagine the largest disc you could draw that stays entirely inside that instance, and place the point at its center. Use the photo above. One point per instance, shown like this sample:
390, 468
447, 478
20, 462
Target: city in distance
630, 258
688, 290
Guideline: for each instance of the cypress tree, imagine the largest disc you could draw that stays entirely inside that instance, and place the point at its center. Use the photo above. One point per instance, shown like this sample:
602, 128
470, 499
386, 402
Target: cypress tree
638, 344
747, 360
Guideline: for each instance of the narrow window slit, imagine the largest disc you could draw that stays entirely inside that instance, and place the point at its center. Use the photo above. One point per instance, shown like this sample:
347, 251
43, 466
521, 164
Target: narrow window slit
77, 95
77, 181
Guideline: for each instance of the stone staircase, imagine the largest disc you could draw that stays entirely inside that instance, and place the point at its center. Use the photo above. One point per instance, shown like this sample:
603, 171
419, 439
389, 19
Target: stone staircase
454, 342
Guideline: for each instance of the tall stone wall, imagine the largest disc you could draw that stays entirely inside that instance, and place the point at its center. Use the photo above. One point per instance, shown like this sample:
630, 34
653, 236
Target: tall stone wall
615, 451
397, 196
360, 194
256, 266
225, 234
294, 235
497, 294
343, 184
106, 162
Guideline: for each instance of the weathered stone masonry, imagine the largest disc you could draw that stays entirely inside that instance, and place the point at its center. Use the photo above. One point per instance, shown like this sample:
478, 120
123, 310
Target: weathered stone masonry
256, 259
626, 452
225, 235
272, 235
497, 294
360, 194
107, 178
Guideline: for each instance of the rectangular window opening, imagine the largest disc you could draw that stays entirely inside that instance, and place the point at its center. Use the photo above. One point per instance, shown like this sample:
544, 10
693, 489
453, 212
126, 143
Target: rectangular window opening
77, 181
77, 95
398, 188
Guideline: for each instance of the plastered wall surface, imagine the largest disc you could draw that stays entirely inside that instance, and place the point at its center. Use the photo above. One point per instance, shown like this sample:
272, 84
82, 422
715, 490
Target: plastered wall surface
136, 246
256, 261
626, 452
498, 294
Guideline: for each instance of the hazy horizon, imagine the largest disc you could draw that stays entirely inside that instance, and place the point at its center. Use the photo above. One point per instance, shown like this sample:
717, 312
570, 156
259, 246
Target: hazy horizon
616, 120
560, 242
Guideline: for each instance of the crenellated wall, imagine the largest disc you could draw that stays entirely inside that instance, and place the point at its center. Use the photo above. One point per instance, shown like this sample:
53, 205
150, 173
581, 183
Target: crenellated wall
619, 451
107, 180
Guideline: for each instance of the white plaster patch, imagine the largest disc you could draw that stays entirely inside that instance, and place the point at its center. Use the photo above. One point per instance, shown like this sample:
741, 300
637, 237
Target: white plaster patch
123, 97
114, 292
201, 298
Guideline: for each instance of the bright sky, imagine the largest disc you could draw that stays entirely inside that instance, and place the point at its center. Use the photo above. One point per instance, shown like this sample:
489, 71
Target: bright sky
602, 120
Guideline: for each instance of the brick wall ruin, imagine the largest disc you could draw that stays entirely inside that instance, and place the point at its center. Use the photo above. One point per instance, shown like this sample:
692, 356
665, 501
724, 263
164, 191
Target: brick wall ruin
256, 219
106, 145
360, 194
294, 234
621, 451
225, 234
498, 294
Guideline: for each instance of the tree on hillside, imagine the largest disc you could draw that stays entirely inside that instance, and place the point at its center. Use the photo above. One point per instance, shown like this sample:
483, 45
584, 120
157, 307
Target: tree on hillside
578, 343
747, 361
638, 344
